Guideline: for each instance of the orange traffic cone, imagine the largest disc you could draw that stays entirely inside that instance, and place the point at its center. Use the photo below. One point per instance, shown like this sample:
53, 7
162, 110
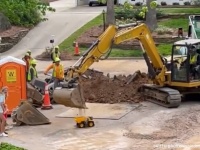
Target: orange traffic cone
46, 103
76, 50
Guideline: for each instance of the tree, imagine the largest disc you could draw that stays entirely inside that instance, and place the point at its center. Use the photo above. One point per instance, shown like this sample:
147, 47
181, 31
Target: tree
151, 19
4, 23
110, 15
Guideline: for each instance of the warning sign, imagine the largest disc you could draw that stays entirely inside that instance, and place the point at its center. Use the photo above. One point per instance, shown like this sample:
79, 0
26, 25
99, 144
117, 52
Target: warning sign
11, 75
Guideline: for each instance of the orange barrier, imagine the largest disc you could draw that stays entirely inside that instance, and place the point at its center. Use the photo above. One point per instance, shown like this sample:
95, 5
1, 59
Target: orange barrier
76, 50
46, 103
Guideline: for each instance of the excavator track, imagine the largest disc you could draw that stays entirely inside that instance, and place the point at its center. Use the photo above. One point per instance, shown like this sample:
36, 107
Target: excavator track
163, 96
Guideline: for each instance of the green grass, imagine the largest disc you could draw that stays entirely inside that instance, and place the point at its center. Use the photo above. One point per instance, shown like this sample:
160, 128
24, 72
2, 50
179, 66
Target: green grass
164, 49
68, 43
175, 23
180, 10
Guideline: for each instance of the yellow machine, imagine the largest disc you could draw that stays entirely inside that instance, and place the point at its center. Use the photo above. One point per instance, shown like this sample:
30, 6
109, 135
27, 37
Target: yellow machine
167, 85
82, 122
170, 79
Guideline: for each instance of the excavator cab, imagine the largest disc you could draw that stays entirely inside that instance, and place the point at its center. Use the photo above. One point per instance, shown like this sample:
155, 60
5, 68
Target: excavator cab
186, 61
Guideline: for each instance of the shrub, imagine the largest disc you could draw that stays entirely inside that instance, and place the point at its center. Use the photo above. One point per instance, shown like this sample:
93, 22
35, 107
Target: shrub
7, 146
196, 2
175, 3
138, 4
24, 12
163, 30
186, 3
163, 3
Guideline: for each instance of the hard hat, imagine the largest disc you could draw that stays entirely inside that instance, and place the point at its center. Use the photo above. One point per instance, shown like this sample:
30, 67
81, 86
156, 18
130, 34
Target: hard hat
57, 47
57, 59
29, 51
27, 54
33, 62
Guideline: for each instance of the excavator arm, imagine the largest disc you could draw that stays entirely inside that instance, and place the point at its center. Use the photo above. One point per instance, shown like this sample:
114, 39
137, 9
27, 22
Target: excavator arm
150, 53
71, 95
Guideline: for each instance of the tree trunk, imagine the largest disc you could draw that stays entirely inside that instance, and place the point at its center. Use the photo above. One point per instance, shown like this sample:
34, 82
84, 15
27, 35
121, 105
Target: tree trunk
110, 16
4, 23
151, 19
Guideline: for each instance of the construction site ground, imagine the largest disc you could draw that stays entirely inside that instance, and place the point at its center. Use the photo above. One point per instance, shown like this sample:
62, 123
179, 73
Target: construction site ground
147, 127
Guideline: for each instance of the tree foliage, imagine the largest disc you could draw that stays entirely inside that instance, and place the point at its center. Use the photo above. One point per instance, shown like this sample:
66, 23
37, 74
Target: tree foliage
24, 12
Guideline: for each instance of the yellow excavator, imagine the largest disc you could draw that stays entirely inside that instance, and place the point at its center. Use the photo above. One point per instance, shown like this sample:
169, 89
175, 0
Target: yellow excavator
170, 79
167, 84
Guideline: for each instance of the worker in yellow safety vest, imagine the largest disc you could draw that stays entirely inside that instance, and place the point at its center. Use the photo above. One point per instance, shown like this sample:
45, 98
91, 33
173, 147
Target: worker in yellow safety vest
29, 52
58, 72
32, 73
55, 54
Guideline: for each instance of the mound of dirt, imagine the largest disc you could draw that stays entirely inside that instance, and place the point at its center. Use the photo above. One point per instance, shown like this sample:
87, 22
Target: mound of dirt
99, 88
46, 56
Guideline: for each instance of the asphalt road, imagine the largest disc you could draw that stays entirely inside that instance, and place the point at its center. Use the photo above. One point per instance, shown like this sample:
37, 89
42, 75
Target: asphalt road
62, 23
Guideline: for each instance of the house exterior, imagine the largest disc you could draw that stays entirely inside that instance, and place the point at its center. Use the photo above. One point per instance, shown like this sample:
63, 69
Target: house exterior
169, 2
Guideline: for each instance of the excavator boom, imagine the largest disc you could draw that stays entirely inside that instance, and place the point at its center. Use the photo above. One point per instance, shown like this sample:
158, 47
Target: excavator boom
100, 48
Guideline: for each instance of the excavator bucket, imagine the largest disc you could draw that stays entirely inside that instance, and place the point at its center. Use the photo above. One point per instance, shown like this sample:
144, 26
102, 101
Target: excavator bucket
69, 97
28, 114
34, 94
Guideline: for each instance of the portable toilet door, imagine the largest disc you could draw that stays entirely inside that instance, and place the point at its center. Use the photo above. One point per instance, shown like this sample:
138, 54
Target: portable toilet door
13, 75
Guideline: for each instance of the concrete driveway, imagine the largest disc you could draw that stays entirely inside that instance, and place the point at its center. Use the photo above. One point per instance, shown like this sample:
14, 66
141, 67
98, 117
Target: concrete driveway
62, 23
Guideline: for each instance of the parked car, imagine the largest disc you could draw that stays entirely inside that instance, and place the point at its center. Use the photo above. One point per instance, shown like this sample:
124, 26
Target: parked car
99, 2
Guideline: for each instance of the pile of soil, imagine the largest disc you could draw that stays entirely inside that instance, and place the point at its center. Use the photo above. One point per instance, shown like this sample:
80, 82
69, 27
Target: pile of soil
99, 88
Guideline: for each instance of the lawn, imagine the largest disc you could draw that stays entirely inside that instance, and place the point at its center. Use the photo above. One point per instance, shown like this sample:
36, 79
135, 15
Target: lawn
175, 23
164, 49
180, 10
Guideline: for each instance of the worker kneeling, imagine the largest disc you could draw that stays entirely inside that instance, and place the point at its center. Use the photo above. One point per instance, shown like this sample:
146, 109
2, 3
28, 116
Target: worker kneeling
32, 73
58, 72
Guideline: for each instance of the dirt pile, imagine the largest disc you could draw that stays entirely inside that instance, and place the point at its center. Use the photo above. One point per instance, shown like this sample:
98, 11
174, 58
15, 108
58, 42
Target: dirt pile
99, 88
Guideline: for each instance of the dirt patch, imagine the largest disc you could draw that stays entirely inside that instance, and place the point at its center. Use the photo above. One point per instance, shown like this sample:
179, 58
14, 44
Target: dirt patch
99, 88
176, 127
12, 31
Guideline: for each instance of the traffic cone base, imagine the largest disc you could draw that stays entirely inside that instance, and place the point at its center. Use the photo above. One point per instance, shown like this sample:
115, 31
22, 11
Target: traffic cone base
44, 107
46, 102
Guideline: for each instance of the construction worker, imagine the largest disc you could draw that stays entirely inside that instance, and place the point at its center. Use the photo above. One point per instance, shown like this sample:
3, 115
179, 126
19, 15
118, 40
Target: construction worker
55, 54
32, 71
58, 71
194, 60
26, 59
29, 52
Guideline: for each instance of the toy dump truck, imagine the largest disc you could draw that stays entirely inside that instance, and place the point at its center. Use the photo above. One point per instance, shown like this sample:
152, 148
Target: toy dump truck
82, 122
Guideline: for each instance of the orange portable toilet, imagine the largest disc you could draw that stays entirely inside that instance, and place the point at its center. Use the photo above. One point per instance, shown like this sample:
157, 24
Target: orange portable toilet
13, 75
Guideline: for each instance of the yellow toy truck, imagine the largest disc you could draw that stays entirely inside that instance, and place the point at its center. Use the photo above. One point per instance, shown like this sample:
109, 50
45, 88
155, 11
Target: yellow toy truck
82, 122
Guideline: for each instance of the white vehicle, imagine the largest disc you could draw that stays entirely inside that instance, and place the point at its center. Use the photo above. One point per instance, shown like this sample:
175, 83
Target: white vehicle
99, 2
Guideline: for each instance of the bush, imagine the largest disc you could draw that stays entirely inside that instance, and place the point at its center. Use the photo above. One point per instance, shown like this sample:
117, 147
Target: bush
138, 4
175, 3
7, 146
24, 12
186, 3
163, 3
161, 30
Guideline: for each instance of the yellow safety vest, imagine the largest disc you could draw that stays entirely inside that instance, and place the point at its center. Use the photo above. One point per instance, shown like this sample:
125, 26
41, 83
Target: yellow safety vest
56, 55
54, 69
29, 73
193, 59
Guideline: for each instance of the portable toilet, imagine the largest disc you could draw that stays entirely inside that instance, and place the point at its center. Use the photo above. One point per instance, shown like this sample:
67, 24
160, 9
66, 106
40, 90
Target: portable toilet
13, 75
